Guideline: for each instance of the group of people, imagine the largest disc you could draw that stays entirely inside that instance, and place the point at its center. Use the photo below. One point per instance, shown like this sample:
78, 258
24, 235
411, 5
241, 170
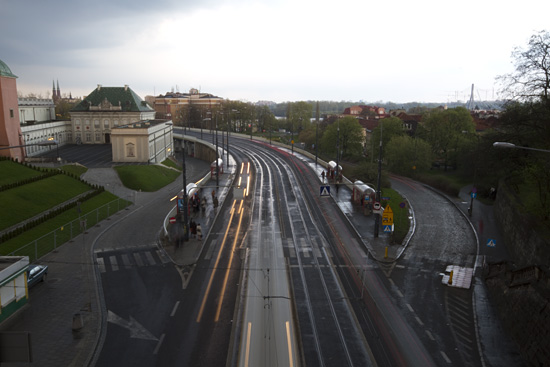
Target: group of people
196, 203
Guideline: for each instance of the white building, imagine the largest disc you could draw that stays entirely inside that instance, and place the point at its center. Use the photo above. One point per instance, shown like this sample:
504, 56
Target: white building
33, 110
143, 141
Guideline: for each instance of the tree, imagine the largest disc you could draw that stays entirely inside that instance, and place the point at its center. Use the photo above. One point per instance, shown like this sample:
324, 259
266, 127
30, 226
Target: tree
531, 79
405, 155
351, 137
389, 127
299, 115
266, 119
445, 130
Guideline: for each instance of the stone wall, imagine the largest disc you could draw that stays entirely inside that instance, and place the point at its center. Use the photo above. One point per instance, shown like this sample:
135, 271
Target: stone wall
521, 290
522, 298
519, 229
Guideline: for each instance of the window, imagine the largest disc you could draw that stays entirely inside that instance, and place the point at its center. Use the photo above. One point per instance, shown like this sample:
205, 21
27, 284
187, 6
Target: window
97, 137
115, 122
87, 121
11, 113
77, 121
130, 150
106, 124
96, 123
88, 137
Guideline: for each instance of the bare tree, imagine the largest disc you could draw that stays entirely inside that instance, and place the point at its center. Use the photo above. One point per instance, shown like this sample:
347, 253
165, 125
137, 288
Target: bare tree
531, 79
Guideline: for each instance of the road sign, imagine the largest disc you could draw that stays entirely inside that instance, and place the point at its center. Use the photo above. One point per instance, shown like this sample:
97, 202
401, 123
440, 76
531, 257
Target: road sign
376, 205
388, 228
387, 217
324, 190
172, 220
385, 198
491, 243
474, 194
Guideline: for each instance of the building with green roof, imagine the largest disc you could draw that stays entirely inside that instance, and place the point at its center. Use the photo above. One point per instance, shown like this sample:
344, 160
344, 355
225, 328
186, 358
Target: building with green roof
104, 109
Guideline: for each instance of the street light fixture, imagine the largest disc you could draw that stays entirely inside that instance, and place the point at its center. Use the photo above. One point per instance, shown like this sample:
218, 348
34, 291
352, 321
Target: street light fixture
499, 144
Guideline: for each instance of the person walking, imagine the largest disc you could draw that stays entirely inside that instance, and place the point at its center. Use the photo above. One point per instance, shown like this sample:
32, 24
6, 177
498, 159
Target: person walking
199, 231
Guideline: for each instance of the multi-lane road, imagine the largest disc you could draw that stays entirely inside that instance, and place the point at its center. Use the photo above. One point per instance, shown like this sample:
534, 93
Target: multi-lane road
285, 280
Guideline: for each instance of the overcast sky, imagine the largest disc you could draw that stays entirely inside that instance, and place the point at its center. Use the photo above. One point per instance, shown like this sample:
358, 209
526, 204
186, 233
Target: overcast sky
278, 50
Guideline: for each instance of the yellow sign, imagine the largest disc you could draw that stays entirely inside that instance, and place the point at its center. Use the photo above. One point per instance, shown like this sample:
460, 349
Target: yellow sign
387, 216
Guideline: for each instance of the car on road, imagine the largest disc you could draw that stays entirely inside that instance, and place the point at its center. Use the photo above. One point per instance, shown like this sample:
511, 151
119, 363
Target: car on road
36, 273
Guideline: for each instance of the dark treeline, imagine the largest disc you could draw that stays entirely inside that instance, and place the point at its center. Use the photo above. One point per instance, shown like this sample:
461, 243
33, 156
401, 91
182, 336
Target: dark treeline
333, 107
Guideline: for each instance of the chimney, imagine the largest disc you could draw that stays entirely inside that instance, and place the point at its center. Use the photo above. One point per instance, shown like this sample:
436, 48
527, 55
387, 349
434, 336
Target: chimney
125, 87
99, 87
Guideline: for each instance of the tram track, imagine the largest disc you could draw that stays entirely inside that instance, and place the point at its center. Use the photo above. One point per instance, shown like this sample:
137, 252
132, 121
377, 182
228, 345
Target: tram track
321, 305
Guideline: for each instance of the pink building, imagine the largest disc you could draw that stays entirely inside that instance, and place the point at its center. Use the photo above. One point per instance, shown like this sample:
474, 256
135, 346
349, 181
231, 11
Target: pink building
10, 130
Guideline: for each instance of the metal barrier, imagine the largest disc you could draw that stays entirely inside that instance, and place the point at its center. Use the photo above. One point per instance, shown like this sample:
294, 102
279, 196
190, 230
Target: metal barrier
49, 242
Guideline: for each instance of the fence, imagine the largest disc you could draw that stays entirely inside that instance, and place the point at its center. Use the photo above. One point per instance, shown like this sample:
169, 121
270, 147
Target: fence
49, 242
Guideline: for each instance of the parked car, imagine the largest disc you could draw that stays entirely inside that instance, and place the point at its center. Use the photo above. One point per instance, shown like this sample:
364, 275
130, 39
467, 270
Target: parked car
36, 273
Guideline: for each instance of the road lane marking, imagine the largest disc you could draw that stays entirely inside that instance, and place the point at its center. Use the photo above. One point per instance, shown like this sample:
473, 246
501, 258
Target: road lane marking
229, 262
159, 344
101, 264
114, 264
174, 309
289, 344
201, 310
430, 335
247, 353
445, 357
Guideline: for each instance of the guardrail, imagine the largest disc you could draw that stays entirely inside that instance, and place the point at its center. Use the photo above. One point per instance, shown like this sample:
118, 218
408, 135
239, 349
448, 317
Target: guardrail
49, 242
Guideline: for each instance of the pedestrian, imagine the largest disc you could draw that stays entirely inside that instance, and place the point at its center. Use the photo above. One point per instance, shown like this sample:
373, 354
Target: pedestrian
323, 176
193, 228
203, 204
213, 194
215, 202
199, 231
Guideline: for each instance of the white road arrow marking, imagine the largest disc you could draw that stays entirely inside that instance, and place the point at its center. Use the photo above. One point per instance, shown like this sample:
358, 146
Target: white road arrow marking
137, 330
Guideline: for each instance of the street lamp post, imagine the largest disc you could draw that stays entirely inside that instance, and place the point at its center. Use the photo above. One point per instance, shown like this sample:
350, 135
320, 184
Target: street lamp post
185, 205
378, 190
217, 167
499, 144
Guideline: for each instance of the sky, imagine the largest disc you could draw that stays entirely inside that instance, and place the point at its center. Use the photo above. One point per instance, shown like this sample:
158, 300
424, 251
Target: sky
272, 50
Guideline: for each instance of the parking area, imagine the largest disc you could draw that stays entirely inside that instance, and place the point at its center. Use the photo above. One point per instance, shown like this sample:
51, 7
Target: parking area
88, 155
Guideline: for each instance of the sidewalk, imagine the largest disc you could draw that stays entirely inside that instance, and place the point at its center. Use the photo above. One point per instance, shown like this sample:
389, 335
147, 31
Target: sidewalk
189, 251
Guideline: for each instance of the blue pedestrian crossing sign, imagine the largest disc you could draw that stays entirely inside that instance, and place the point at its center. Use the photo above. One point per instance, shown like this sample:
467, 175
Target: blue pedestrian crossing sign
491, 243
324, 190
388, 228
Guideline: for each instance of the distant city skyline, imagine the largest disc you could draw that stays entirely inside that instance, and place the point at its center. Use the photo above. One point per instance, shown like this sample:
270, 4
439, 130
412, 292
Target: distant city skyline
277, 50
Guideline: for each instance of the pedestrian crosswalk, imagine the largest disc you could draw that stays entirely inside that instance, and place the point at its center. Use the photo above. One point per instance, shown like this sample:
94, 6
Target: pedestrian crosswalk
111, 260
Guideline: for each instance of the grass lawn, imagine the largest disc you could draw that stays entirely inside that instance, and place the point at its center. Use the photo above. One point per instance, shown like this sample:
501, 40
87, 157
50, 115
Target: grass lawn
146, 178
75, 169
448, 182
13, 172
172, 164
26, 201
58, 229
400, 215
